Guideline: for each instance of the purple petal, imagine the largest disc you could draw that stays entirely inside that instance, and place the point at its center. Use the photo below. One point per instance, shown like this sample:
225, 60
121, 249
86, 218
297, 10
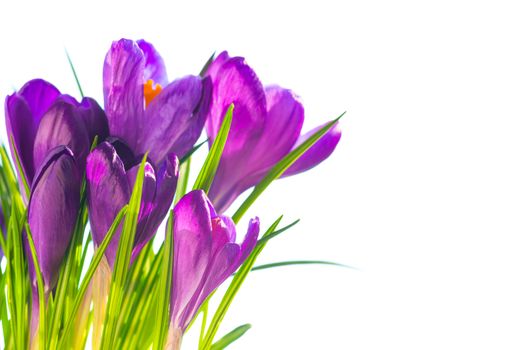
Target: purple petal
24, 110
107, 192
143, 234
192, 253
166, 181
318, 152
39, 95
124, 90
235, 82
217, 63
61, 126
281, 130
94, 118
21, 128
227, 260
53, 210
175, 118
155, 68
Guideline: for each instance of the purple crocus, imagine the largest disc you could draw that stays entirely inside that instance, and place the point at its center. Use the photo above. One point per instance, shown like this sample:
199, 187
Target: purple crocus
40, 118
52, 134
111, 173
144, 110
205, 255
266, 126
52, 211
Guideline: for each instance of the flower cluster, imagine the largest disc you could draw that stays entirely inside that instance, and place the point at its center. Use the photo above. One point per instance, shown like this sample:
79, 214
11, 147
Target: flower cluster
74, 154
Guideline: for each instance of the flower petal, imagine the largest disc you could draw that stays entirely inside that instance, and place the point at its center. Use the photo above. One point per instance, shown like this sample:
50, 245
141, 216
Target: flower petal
166, 181
94, 118
124, 90
39, 95
235, 82
107, 192
175, 118
24, 110
61, 125
53, 210
318, 152
192, 253
155, 68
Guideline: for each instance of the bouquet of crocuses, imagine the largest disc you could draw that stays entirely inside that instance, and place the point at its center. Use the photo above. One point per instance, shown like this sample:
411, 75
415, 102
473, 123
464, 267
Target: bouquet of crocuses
90, 187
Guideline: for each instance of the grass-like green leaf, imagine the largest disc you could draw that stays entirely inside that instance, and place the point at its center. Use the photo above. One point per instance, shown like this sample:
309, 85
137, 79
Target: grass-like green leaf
277, 232
99, 254
231, 337
298, 262
164, 286
74, 74
193, 150
281, 167
121, 265
233, 289
207, 173
42, 344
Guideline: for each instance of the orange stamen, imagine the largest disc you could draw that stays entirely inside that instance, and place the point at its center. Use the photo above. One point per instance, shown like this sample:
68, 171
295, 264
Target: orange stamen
151, 90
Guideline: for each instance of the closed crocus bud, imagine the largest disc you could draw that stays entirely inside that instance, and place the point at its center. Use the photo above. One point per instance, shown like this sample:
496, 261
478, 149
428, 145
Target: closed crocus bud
145, 110
52, 212
205, 255
40, 118
266, 126
111, 174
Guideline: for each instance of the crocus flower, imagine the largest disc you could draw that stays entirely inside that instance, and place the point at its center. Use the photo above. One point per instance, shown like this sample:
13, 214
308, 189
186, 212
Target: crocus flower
111, 173
267, 123
144, 110
40, 118
52, 211
205, 255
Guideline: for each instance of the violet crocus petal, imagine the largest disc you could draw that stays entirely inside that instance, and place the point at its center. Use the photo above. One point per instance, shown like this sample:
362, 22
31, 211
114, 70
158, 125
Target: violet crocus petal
217, 63
94, 118
61, 125
107, 193
282, 128
52, 211
192, 240
180, 111
23, 111
235, 82
227, 259
143, 235
155, 68
124, 90
281, 131
166, 181
39, 95
321, 150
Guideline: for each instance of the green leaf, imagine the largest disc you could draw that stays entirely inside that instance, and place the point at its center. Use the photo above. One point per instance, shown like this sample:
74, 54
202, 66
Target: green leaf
75, 75
207, 173
41, 294
298, 262
231, 337
99, 254
277, 232
164, 287
281, 167
121, 265
234, 287
193, 150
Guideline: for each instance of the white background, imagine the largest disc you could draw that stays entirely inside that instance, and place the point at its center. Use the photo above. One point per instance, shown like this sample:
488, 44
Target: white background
425, 193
